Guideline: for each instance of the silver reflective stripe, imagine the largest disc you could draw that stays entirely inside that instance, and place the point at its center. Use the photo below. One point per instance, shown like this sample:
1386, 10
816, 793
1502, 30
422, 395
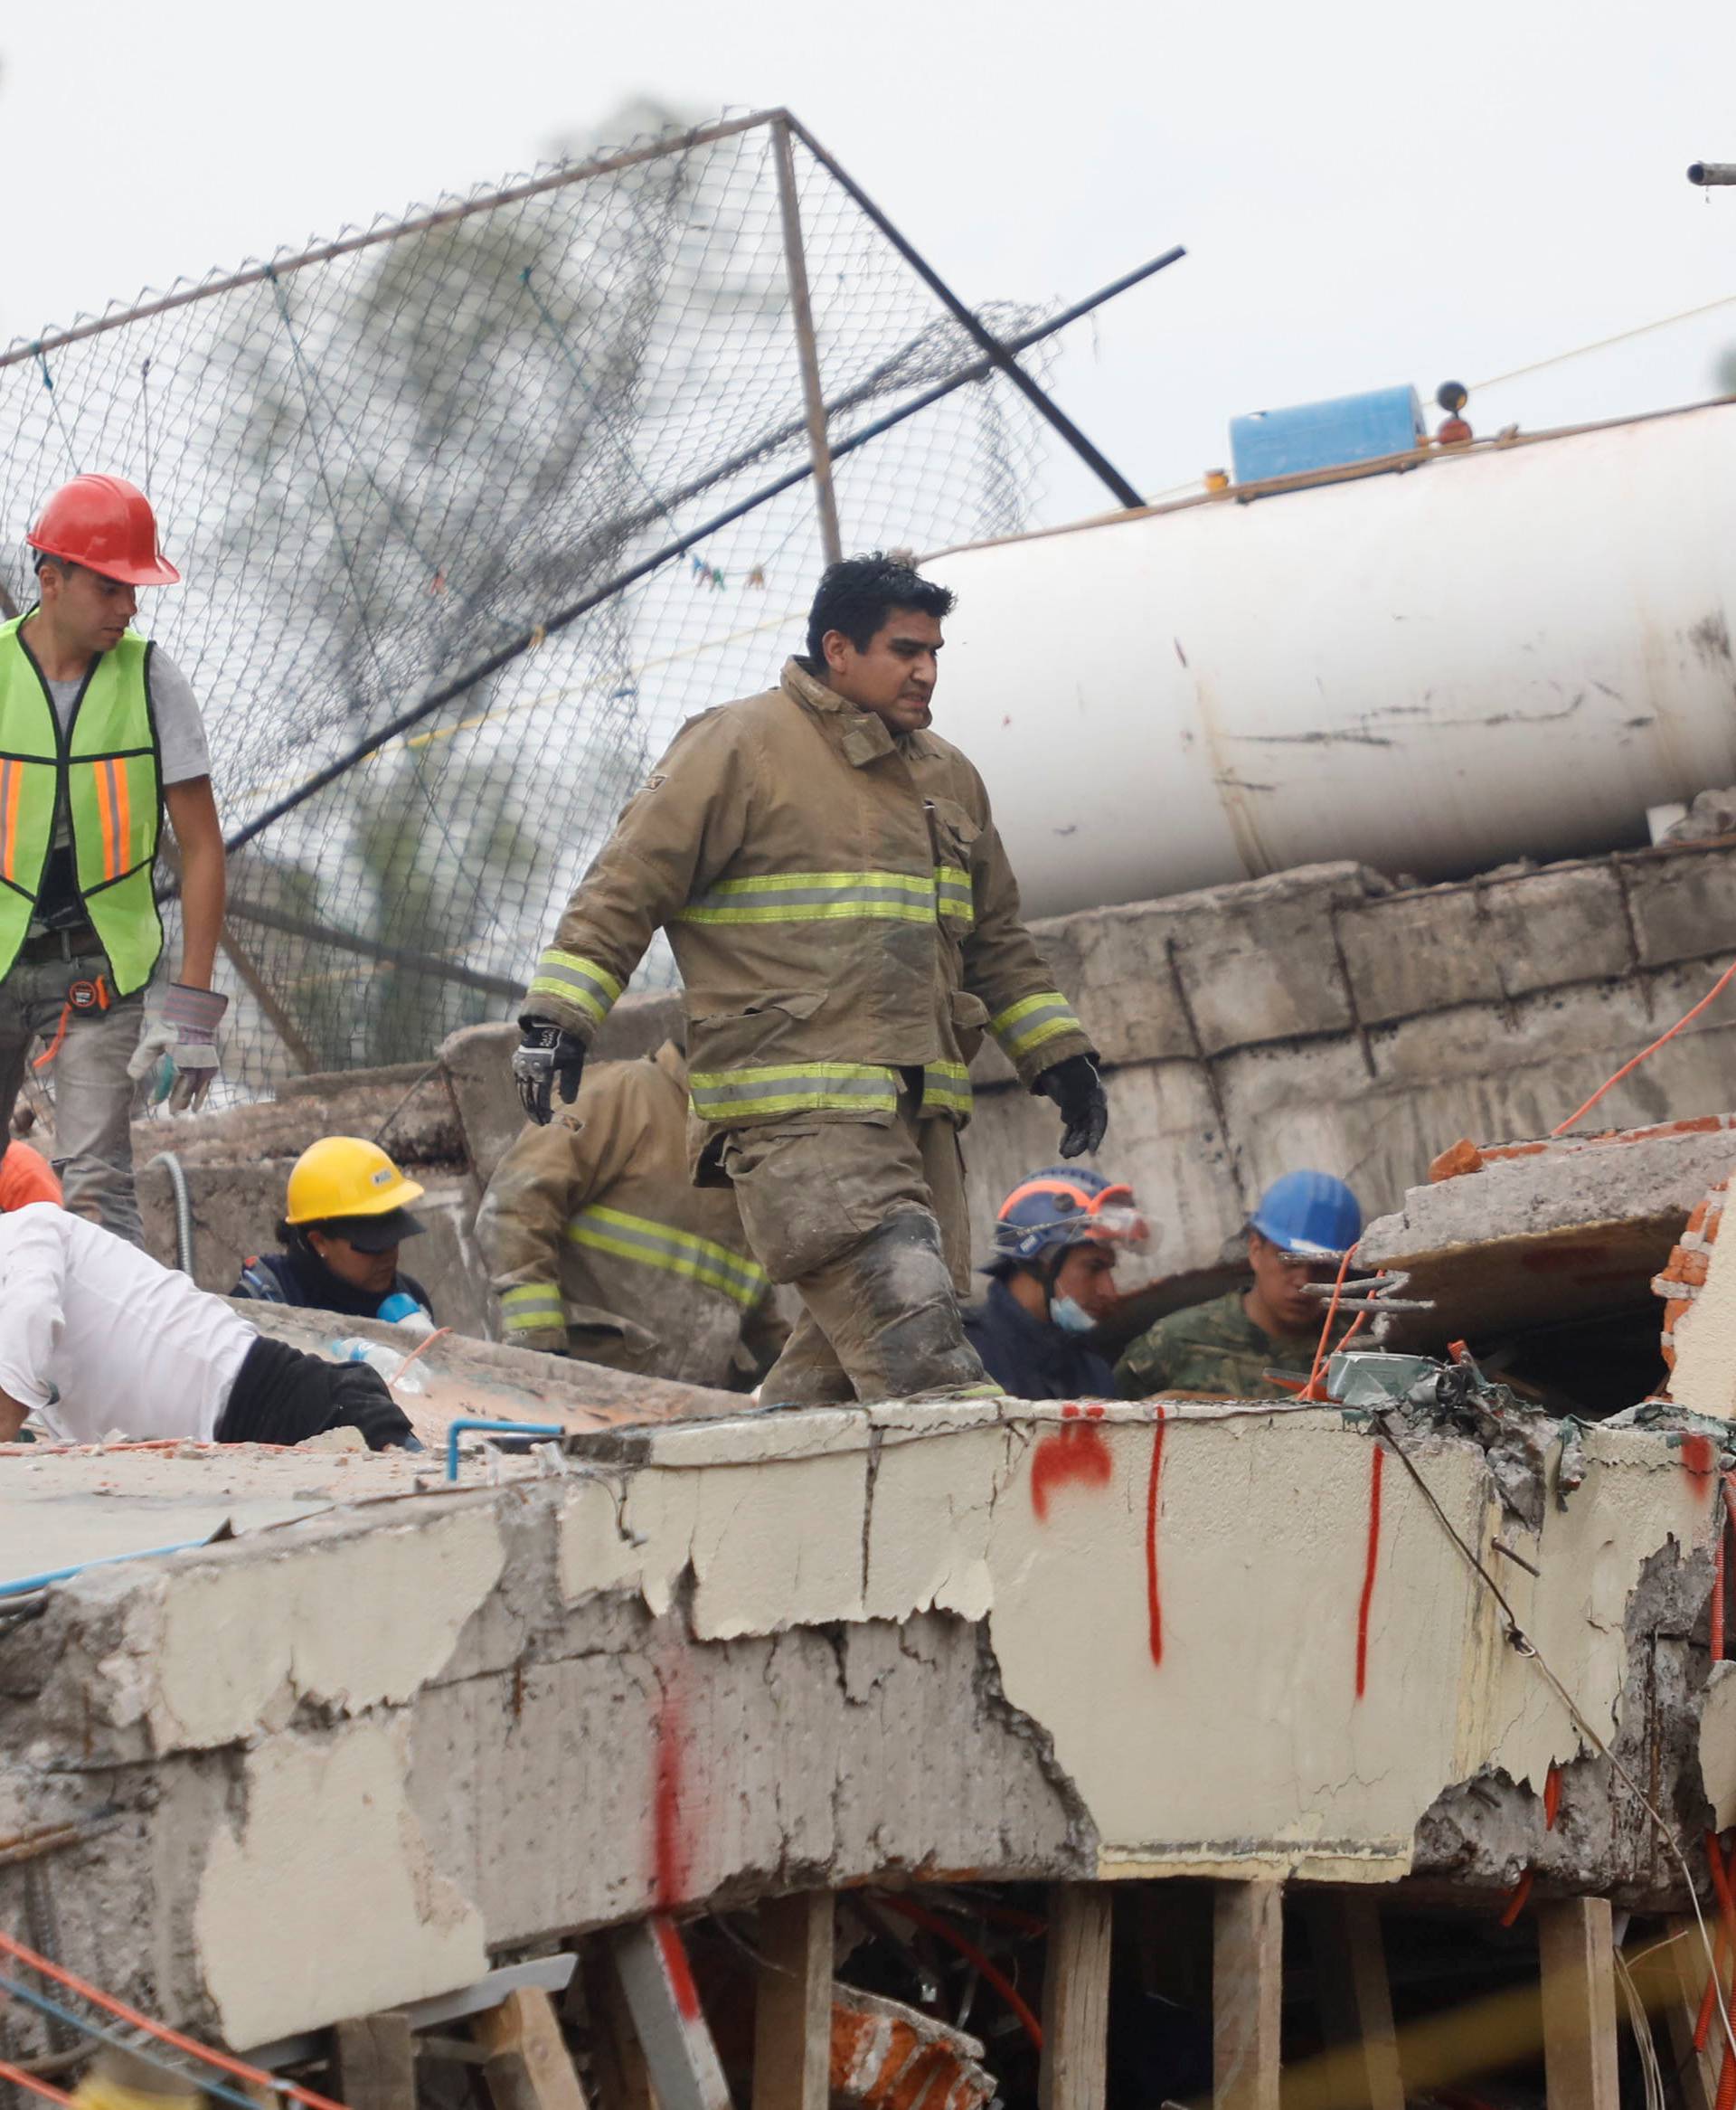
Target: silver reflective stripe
576, 980
532, 1307
676, 1252
954, 894
1028, 1024
791, 1087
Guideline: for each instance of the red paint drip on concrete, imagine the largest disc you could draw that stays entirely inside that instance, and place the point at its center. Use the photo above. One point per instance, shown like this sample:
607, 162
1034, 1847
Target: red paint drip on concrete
1377, 1466
674, 1951
1153, 1605
669, 1847
1077, 1452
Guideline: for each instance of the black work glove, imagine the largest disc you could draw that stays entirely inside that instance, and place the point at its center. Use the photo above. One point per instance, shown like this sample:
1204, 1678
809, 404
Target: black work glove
1076, 1088
547, 1051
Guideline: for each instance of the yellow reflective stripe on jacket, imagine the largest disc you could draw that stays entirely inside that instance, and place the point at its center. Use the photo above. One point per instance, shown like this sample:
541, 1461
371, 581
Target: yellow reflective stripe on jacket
531, 1307
955, 897
792, 1088
676, 1252
814, 897
946, 1085
575, 981
1028, 1024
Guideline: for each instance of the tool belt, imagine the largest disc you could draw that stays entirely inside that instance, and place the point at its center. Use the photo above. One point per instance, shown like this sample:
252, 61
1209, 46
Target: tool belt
76, 941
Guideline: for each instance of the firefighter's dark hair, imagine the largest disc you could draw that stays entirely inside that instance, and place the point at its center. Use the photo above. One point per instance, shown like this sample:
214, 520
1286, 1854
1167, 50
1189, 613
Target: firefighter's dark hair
858, 595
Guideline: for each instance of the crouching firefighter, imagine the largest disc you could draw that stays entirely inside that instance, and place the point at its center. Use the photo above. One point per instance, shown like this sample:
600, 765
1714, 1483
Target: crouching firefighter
847, 926
99, 736
600, 1246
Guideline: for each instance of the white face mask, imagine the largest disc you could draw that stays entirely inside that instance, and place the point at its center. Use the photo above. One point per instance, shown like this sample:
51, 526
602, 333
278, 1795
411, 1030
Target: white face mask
1070, 1316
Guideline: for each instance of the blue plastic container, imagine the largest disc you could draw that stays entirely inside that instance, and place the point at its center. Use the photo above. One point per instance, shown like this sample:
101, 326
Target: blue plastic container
1309, 436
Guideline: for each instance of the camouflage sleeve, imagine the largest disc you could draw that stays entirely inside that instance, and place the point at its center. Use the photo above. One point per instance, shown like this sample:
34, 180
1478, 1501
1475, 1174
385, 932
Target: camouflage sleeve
1145, 1366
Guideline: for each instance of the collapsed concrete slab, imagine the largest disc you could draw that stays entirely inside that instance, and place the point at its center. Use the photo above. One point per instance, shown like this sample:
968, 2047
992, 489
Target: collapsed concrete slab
1520, 1234
732, 1658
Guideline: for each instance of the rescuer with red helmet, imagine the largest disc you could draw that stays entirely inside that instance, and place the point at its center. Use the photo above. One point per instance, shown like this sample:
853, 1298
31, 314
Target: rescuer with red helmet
99, 738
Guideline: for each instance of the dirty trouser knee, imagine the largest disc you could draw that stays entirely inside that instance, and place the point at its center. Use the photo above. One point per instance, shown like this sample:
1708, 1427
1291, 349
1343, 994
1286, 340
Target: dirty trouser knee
868, 1222
93, 1094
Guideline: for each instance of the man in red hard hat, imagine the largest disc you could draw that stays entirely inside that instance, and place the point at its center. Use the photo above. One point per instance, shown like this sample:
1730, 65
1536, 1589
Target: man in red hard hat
99, 737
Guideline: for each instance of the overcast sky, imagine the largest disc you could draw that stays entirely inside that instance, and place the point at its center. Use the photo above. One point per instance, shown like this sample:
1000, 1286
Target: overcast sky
1369, 195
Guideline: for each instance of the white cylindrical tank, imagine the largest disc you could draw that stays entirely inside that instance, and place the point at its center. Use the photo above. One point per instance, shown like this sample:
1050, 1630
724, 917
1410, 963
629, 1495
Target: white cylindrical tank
1509, 652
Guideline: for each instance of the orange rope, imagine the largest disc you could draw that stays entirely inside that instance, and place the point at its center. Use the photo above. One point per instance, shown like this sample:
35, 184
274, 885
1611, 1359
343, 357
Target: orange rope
1627, 1069
238, 2066
1308, 1390
20, 2079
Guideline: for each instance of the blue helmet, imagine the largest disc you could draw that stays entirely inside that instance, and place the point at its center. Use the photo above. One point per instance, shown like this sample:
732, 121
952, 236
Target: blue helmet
1063, 1205
1309, 1213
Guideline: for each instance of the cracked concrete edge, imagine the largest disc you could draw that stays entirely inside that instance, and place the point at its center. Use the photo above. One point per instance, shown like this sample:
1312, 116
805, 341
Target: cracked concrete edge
520, 1686
1657, 1180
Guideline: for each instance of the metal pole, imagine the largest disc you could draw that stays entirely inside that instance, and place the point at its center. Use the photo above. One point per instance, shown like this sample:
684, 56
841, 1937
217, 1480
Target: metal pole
1712, 171
825, 503
985, 339
642, 568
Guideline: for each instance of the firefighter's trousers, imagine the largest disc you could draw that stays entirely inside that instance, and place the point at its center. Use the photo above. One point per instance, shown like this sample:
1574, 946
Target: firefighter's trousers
869, 1223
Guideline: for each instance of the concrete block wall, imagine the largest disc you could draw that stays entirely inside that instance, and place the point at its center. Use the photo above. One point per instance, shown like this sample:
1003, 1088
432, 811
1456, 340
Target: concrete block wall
1319, 1017
1323, 1017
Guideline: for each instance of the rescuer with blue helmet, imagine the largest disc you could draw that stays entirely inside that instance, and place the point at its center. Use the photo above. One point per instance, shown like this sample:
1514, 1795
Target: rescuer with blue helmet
1051, 1281
1297, 1236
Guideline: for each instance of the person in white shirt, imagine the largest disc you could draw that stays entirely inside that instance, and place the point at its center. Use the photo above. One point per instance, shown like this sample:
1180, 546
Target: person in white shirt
96, 1337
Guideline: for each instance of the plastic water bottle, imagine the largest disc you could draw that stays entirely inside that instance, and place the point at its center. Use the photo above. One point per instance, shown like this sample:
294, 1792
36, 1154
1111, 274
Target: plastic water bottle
400, 1308
352, 1348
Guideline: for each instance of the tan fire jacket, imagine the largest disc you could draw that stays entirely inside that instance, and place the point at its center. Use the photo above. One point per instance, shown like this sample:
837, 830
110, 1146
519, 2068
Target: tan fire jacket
840, 908
599, 1243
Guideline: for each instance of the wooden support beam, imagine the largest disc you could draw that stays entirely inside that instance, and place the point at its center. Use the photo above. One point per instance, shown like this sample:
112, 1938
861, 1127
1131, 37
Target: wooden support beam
375, 2056
1074, 2074
1672, 1981
1247, 1980
651, 1960
1355, 2001
529, 2066
1576, 1953
792, 2021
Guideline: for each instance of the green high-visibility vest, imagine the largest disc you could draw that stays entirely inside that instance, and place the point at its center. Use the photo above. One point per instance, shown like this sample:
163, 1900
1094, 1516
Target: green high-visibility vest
105, 767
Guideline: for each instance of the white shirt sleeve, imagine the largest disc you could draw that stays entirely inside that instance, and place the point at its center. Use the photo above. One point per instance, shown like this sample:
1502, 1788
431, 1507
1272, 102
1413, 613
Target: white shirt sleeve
33, 1303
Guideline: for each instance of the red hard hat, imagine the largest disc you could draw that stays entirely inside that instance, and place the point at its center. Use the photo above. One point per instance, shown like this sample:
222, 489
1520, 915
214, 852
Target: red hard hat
107, 524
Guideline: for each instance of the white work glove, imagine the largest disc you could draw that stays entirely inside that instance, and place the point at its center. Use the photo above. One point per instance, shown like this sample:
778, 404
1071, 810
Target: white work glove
178, 1047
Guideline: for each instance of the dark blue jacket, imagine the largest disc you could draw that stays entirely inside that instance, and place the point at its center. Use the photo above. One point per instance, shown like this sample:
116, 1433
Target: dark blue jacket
300, 1278
1030, 1358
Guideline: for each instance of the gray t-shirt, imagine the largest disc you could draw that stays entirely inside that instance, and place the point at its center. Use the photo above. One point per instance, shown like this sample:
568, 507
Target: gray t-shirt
180, 734
182, 754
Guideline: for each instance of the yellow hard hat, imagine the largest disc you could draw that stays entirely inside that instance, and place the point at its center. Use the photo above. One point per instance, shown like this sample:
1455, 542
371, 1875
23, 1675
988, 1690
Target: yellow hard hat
342, 1176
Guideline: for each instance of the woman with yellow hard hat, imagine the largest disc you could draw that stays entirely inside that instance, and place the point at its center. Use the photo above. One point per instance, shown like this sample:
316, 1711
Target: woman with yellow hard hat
346, 1215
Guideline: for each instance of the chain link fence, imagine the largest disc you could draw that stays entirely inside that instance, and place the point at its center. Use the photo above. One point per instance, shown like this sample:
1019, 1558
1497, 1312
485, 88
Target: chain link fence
390, 469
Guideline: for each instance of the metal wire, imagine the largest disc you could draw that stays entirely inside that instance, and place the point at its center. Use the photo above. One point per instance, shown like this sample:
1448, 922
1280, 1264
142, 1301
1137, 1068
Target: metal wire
381, 463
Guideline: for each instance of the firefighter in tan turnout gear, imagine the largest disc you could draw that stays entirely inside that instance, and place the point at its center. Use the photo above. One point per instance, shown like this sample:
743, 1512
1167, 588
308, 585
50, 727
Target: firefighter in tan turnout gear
847, 926
600, 1246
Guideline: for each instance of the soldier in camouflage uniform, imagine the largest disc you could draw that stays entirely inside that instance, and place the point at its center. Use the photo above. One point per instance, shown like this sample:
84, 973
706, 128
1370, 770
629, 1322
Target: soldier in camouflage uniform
1298, 1235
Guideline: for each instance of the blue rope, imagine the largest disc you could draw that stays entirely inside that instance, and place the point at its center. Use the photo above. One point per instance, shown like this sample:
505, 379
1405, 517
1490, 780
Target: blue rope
41, 2002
